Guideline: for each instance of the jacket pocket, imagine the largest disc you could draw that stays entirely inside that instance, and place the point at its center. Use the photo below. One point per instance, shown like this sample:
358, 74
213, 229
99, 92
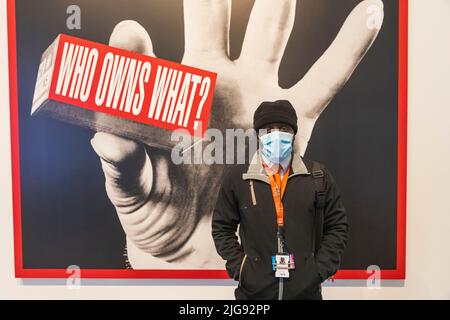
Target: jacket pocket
304, 280
312, 278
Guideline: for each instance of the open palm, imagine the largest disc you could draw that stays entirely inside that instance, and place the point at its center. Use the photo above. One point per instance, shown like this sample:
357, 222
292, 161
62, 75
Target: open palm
166, 209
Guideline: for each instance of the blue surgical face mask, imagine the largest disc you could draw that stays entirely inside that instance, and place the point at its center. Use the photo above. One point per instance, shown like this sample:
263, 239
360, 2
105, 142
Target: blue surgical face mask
276, 146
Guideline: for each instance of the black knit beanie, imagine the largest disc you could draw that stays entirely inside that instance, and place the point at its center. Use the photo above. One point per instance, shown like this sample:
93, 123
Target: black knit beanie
280, 111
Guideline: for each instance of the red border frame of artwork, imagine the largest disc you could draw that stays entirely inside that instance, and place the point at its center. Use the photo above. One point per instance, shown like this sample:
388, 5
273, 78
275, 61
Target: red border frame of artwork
20, 272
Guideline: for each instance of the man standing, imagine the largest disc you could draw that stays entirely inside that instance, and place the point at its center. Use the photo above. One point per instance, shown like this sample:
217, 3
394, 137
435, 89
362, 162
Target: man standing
292, 223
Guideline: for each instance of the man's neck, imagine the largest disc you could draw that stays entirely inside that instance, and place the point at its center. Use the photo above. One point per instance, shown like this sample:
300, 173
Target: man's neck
274, 167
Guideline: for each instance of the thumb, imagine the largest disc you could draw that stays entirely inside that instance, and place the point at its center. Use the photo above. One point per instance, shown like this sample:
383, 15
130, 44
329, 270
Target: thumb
127, 169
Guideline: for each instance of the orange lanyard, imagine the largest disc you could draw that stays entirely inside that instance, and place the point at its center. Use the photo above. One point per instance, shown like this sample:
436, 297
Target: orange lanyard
277, 195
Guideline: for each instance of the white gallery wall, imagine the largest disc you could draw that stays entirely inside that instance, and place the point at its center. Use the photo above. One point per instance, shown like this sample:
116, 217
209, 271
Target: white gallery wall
428, 198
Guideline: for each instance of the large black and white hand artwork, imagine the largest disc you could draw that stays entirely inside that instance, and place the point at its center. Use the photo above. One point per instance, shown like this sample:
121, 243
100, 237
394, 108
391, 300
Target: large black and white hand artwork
165, 209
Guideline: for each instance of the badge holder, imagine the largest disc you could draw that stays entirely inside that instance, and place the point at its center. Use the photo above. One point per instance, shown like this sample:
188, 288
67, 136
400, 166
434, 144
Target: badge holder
282, 263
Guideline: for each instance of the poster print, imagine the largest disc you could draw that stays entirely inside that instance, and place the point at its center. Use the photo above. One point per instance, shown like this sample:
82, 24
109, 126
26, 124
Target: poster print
67, 211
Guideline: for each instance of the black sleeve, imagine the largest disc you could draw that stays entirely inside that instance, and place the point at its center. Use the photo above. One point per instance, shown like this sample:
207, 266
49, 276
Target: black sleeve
335, 231
224, 226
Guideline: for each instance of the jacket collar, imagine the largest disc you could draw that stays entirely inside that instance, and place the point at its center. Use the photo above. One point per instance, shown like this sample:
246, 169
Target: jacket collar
256, 170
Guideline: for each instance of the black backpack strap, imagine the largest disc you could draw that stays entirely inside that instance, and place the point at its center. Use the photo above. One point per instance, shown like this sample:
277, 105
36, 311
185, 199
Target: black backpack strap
320, 198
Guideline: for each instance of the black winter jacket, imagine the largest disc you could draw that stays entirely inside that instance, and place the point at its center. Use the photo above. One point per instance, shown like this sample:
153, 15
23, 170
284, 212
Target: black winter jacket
249, 261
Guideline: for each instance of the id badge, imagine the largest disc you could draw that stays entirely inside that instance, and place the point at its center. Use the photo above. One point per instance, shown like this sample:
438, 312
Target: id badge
281, 262
291, 261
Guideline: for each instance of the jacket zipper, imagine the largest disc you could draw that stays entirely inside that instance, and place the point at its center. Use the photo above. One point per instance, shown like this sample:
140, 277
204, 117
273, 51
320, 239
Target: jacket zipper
241, 268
